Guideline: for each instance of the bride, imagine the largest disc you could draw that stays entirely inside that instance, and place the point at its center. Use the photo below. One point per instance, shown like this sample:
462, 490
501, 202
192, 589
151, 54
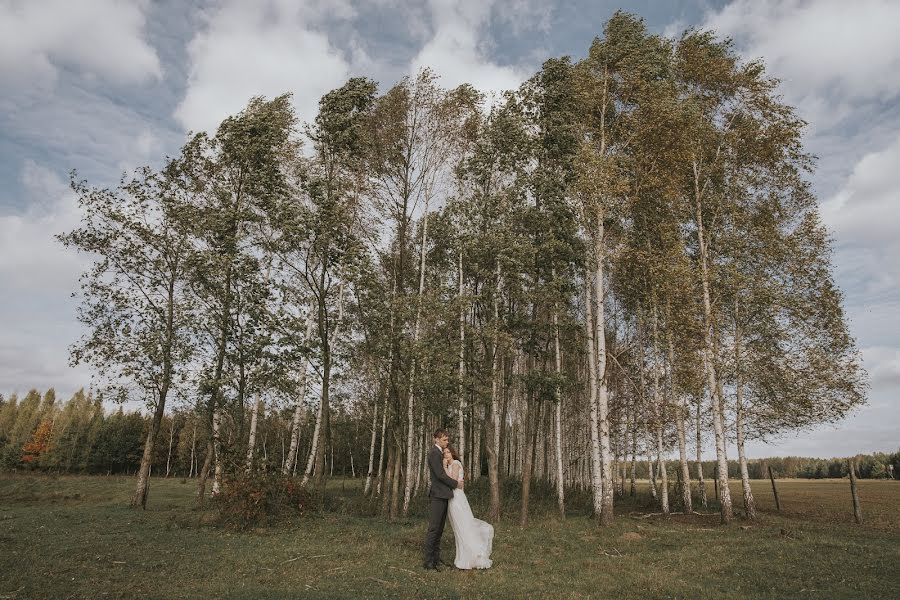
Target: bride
474, 537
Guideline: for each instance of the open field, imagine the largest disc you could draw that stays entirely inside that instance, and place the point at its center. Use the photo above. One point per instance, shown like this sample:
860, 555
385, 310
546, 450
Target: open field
74, 537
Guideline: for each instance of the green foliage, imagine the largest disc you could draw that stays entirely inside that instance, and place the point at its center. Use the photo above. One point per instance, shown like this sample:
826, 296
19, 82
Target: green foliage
425, 262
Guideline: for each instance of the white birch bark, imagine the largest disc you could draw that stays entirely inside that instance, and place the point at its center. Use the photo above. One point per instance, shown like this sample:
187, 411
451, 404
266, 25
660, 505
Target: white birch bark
462, 365
319, 414
560, 481
193, 468
379, 477
659, 413
217, 452
701, 482
494, 442
709, 355
606, 517
749, 505
596, 483
369, 474
476, 444
257, 405
289, 466
632, 475
411, 462
171, 439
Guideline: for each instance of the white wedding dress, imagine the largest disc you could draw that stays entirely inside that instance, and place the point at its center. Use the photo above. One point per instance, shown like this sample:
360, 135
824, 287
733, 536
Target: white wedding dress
474, 537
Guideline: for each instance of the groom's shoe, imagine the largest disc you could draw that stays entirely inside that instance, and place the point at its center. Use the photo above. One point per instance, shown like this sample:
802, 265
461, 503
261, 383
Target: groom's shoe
429, 566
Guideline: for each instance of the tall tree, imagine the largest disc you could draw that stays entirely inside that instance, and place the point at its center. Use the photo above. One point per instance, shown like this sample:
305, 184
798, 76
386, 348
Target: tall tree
133, 298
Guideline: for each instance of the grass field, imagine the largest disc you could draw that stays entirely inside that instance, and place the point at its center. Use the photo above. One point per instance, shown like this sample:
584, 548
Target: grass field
75, 537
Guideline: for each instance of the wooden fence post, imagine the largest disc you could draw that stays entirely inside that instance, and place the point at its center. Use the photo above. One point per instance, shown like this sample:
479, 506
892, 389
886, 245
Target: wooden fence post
857, 511
774, 491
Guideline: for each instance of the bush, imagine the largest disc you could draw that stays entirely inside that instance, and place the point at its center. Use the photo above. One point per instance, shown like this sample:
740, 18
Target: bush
257, 500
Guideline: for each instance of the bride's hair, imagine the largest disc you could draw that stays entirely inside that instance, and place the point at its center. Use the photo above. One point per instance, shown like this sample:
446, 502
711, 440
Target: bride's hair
453, 452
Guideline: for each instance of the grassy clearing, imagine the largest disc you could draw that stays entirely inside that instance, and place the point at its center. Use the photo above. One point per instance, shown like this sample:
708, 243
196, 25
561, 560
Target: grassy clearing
74, 537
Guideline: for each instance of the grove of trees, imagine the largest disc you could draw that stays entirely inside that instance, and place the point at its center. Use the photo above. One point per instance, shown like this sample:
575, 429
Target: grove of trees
38, 433
605, 267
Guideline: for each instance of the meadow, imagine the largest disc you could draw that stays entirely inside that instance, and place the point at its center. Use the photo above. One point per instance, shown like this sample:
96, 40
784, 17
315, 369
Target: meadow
75, 537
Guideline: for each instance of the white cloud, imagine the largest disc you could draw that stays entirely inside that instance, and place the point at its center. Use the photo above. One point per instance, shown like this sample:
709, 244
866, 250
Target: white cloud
31, 260
837, 62
458, 54
867, 209
846, 51
525, 15
864, 216
97, 37
269, 48
37, 322
883, 364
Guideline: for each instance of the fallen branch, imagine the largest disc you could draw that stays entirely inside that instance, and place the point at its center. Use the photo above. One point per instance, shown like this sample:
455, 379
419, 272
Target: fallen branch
648, 515
299, 557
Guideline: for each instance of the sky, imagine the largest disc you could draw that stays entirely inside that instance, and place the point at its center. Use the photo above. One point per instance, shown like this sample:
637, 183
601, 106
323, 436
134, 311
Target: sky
104, 86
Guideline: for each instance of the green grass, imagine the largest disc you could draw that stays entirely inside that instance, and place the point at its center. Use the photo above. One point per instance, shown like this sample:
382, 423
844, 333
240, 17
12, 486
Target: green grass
75, 537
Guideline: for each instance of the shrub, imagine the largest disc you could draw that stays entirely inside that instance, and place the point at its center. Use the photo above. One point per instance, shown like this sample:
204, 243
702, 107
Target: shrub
257, 500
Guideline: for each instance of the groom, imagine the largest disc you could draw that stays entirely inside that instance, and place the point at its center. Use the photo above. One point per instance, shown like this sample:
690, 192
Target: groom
441, 491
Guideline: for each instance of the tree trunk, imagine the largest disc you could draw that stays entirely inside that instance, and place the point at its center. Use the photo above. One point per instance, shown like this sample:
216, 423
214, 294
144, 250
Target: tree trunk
257, 405
139, 499
477, 428
749, 507
369, 474
531, 425
290, 465
709, 362
219, 466
314, 448
169, 454
701, 482
632, 417
651, 473
857, 509
411, 465
192, 471
143, 483
659, 411
596, 482
204, 472
606, 515
388, 479
462, 366
680, 410
395, 484
379, 477
774, 490
321, 435
493, 446
251, 441
560, 481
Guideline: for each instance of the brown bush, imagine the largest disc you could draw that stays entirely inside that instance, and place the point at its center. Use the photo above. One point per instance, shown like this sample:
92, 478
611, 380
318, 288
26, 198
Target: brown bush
258, 500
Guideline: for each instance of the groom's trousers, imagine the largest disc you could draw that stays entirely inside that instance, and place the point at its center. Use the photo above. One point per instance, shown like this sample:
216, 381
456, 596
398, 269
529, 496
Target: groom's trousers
437, 518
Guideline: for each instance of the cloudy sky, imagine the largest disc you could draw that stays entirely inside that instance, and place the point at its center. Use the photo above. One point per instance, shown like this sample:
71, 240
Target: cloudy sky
102, 86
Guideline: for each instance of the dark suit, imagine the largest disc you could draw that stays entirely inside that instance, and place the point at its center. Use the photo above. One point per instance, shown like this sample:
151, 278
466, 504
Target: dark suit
442, 486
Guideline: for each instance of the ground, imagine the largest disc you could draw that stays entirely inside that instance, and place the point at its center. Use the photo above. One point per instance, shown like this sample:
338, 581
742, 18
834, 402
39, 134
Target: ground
75, 537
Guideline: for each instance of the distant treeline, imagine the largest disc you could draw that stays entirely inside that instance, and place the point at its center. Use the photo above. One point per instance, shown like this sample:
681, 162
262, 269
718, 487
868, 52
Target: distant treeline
868, 466
40, 432
37, 432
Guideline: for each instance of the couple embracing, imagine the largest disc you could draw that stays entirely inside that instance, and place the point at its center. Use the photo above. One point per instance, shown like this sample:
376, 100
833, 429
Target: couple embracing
474, 537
